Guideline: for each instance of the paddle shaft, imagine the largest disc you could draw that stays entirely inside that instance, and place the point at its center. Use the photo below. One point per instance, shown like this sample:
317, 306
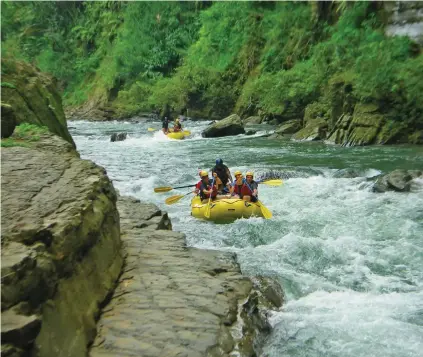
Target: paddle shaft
252, 191
184, 186
173, 199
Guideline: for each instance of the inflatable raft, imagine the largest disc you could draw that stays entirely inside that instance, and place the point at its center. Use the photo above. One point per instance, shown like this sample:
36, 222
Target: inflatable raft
225, 210
178, 135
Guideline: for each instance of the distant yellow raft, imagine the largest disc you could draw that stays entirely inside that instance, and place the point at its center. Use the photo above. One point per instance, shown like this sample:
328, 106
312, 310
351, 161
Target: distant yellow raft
225, 210
178, 135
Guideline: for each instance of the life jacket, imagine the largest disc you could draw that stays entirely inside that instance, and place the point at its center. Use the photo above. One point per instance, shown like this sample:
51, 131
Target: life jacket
248, 188
221, 173
207, 187
239, 189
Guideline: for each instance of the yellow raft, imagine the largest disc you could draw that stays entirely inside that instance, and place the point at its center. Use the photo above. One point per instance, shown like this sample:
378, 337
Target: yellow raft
178, 135
225, 210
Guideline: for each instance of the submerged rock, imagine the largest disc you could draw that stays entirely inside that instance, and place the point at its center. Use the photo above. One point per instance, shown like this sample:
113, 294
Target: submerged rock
118, 137
398, 180
232, 125
347, 173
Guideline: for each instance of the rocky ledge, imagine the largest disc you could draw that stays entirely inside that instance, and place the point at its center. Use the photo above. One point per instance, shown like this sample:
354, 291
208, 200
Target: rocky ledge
172, 300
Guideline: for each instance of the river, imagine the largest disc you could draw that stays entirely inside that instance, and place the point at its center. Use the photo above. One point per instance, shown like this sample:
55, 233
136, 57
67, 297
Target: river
350, 261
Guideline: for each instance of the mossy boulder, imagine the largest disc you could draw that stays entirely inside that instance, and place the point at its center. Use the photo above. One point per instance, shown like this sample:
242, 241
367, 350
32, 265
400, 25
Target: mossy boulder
231, 125
315, 130
416, 137
34, 97
253, 120
287, 128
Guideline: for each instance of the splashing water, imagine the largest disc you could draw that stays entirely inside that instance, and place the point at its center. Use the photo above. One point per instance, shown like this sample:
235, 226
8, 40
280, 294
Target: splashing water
350, 261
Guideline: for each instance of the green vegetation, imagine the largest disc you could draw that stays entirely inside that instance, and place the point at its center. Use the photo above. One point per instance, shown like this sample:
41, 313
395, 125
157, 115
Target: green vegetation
7, 85
271, 58
24, 135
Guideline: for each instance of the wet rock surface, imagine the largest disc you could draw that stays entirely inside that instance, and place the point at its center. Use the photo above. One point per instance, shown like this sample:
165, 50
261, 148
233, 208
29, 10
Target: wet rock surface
397, 180
172, 300
231, 125
118, 137
60, 248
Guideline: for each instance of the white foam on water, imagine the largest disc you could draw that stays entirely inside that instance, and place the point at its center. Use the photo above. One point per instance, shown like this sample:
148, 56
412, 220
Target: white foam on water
350, 260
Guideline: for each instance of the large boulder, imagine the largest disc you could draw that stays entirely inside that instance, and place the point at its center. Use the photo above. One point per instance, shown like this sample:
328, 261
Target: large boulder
253, 120
398, 180
8, 120
315, 130
60, 253
289, 127
34, 97
232, 125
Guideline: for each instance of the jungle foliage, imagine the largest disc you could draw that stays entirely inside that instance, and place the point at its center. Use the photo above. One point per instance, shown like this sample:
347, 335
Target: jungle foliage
213, 58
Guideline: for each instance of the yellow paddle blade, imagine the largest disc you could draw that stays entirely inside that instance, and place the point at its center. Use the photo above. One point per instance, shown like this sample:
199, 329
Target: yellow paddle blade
162, 189
173, 199
207, 213
151, 129
273, 182
264, 210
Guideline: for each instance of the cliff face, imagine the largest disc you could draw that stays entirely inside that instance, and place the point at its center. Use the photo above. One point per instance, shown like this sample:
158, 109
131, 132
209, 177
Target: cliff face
405, 18
60, 248
33, 97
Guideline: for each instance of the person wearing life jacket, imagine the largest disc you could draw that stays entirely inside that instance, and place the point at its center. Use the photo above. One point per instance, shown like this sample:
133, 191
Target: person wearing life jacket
204, 187
237, 190
224, 176
250, 189
177, 126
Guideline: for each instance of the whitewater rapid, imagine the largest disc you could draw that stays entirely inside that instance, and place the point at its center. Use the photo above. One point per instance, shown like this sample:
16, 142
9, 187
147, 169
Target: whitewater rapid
350, 260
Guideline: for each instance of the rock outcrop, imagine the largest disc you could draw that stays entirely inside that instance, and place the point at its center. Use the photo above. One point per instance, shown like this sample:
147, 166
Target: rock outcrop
8, 120
231, 125
33, 97
340, 118
365, 126
397, 180
60, 248
405, 19
177, 301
